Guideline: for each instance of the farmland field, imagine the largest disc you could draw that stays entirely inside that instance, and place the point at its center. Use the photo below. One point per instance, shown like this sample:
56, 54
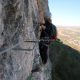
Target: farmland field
70, 36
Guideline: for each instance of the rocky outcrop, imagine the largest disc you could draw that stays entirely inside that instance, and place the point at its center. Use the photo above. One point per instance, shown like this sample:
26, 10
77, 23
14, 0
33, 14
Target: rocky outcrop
19, 21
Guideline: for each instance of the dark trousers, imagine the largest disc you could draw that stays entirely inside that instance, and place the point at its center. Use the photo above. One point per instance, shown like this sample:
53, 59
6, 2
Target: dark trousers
43, 52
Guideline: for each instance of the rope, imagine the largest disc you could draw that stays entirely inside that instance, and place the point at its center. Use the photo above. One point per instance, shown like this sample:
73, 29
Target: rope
8, 49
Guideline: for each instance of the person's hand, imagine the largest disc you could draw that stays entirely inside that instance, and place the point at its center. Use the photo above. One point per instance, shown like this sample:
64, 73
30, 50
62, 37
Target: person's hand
43, 27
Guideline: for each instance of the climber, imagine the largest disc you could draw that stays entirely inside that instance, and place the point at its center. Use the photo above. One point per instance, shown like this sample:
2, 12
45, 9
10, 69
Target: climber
48, 35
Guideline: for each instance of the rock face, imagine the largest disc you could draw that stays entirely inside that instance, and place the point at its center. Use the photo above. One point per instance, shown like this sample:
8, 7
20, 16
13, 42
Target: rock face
19, 21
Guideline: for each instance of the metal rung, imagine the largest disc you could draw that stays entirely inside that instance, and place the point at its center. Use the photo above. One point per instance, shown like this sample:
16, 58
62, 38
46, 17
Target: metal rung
2, 49
22, 49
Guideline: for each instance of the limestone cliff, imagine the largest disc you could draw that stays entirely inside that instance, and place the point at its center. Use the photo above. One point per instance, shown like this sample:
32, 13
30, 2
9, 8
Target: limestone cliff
19, 21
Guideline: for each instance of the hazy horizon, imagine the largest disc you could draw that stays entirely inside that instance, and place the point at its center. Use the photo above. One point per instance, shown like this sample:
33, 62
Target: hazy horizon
67, 26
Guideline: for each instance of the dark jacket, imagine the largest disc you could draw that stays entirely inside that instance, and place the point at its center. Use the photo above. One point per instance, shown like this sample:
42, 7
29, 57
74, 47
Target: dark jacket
50, 33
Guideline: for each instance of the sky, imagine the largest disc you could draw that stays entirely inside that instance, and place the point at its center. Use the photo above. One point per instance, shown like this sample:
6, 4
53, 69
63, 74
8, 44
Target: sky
65, 12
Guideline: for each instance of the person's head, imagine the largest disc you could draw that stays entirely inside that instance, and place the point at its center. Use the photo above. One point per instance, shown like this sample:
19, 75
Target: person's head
48, 20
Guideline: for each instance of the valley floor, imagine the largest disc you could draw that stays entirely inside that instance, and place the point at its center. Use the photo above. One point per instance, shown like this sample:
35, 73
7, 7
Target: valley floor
70, 36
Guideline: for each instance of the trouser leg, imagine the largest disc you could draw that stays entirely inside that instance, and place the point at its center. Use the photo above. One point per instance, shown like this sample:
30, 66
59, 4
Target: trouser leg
43, 53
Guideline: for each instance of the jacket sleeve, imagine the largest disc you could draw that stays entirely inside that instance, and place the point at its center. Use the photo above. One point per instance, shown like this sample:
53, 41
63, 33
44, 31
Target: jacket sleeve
54, 37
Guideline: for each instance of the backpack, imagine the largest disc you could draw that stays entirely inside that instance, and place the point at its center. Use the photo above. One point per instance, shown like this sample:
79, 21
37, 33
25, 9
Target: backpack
53, 31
